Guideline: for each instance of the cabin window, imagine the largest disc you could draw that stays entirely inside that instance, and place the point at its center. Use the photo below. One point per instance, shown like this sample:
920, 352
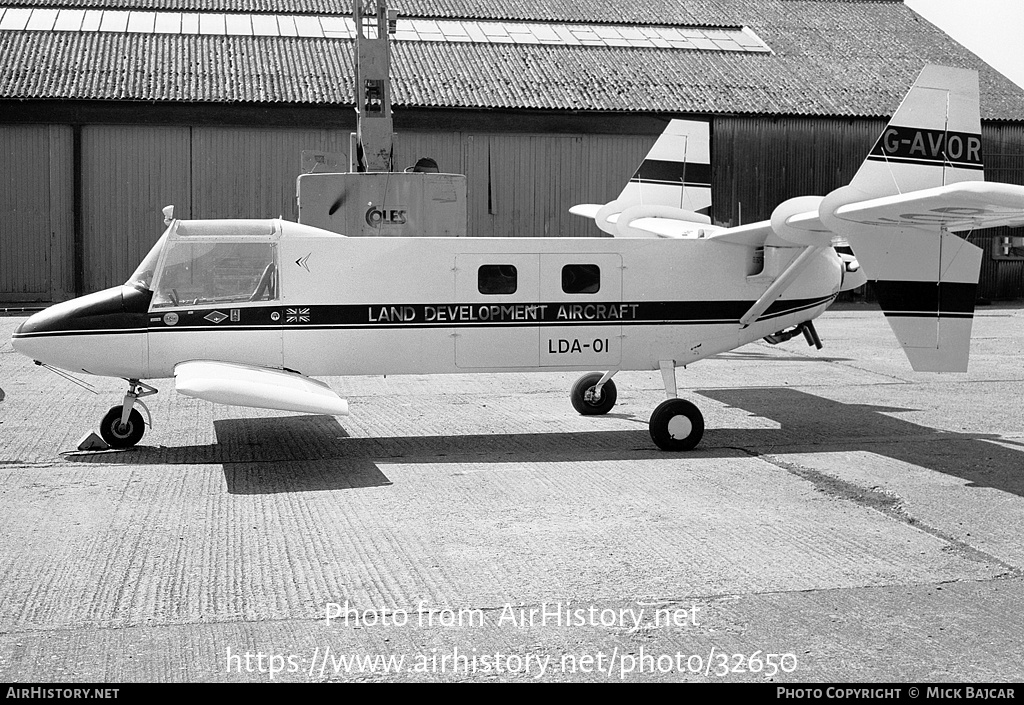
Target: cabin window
497, 279
196, 273
581, 279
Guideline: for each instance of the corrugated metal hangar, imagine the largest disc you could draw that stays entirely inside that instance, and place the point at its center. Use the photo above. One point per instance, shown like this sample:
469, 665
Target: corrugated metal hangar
112, 109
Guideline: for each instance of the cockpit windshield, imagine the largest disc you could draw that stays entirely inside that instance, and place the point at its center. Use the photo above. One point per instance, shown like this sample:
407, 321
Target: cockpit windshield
142, 277
196, 272
213, 262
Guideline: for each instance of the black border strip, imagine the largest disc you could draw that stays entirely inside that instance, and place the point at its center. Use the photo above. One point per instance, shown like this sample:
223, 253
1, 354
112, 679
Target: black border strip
926, 162
672, 172
932, 299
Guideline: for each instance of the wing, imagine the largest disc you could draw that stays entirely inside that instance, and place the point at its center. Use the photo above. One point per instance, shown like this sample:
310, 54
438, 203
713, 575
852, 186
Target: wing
925, 277
661, 221
968, 205
259, 387
587, 210
668, 228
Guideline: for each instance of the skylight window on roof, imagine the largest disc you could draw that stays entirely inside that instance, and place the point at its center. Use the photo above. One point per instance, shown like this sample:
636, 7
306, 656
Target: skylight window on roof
142, 22
69, 20
42, 20
238, 24
729, 39
189, 23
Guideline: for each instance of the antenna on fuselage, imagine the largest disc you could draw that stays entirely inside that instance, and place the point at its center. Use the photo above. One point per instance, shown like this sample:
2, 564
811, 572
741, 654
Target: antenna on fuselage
374, 126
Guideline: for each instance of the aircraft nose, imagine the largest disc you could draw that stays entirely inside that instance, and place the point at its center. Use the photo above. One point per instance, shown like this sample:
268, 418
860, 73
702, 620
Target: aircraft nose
30, 338
34, 337
48, 336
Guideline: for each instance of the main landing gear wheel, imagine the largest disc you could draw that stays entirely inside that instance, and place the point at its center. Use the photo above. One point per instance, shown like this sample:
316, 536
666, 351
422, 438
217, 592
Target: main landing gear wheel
677, 425
585, 398
118, 435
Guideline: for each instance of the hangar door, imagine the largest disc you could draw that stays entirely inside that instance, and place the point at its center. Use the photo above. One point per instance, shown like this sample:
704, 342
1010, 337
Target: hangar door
35, 210
128, 175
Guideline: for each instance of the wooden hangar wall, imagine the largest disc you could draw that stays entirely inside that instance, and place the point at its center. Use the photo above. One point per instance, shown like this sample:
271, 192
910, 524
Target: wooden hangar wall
81, 202
81, 205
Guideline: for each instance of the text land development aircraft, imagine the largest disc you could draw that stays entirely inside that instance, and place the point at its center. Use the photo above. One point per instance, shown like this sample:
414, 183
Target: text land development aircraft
247, 312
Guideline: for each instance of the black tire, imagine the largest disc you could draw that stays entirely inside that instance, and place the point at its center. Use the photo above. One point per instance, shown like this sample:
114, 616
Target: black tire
677, 425
118, 437
582, 395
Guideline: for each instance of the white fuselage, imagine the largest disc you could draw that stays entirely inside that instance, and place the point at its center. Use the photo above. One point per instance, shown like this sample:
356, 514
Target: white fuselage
371, 306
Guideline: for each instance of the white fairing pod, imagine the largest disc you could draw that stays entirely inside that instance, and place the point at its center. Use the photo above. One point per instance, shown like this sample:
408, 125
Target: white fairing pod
796, 221
261, 388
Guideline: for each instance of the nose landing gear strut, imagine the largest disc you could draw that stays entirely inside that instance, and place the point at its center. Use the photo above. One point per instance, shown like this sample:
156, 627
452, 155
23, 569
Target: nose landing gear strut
122, 427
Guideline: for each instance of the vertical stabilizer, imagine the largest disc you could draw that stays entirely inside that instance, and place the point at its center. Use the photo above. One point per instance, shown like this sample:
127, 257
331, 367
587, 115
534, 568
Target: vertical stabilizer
677, 170
934, 139
898, 211
676, 173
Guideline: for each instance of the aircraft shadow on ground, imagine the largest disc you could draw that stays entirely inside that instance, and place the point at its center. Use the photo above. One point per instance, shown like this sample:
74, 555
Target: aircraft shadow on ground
315, 453
823, 425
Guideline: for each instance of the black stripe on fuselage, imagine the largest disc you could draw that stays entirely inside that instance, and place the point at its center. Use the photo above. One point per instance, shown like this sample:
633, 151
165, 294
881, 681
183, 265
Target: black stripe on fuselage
396, 316
926, 299
477, 314
675, 313
97, 330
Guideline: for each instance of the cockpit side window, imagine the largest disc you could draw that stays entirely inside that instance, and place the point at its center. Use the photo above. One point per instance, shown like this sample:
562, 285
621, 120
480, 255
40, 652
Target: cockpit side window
214, 272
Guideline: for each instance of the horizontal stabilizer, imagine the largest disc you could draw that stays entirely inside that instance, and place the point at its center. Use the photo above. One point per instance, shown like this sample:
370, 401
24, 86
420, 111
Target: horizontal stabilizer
258, 387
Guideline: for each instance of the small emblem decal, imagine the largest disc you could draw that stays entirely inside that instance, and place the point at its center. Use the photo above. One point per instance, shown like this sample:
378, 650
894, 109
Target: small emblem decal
171, 318
215, 317
302, 261
275, 316
296, 315
236, 315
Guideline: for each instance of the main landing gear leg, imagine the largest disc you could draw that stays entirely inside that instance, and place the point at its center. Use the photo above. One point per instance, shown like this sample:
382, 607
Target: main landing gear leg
594, 393
676, 424
122, 426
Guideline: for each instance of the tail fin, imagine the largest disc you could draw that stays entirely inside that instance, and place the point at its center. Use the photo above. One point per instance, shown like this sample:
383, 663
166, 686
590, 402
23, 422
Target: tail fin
934, 139
675, 173
898, 212
677, 170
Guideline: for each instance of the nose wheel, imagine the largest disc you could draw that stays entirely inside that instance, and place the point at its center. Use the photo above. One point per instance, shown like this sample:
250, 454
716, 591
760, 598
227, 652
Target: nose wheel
123, 426
594, 394
122, 435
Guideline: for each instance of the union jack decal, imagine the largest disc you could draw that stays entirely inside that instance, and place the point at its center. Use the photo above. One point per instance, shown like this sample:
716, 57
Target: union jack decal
296, 315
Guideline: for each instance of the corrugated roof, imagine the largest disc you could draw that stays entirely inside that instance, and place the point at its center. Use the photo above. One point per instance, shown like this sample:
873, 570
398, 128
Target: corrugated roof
838, 57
